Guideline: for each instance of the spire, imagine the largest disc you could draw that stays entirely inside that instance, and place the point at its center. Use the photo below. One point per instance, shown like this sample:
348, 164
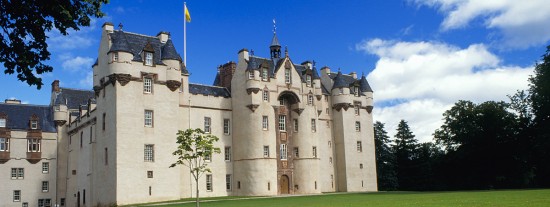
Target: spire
275, 47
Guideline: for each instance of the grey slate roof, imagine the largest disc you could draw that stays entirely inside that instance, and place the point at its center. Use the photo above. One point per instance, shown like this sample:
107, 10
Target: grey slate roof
364, 84
275, 40
73, 97
20, 114
209, 90
341, 80
135, 43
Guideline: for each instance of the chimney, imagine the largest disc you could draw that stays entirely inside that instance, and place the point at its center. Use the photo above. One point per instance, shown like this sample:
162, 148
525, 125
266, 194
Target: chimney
108, 27
308, 64
325, 70
163, 36
12, 101
354, 75
55, 86
243, 54
226, 74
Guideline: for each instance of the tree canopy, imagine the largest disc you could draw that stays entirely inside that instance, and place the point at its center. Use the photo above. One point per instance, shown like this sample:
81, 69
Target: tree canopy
23, 47
385, 159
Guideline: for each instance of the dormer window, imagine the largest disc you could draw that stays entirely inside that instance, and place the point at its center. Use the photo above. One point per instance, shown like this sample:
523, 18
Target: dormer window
308, 80
115, 57
287, 75
356, 90
251, 74
2, 122
34, 124
148, 58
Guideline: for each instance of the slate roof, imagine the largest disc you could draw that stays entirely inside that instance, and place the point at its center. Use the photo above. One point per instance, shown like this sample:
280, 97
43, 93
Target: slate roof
20, 114
275, 40
135, 43
73, 98
341, 80
364, 84
209, 90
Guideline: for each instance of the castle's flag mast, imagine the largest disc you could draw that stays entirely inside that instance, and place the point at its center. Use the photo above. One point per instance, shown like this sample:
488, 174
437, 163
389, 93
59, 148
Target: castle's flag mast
187, 19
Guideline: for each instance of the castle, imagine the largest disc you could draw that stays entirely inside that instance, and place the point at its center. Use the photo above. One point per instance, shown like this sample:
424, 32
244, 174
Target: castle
284, 128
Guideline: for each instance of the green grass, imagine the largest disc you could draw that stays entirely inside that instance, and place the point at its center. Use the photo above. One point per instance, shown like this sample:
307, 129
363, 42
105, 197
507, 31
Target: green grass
497, 198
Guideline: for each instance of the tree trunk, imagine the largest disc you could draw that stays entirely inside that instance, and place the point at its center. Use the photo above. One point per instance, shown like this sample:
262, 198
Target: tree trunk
197, 190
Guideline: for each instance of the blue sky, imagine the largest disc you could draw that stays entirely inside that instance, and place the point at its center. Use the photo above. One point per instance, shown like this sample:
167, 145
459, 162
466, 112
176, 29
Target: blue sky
421, 56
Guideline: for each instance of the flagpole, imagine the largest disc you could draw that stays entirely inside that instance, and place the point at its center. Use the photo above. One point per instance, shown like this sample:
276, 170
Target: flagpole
184, 36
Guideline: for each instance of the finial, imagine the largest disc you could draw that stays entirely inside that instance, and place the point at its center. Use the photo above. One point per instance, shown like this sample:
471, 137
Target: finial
314, 63
274, 27
119, 26
286, 51
252, 52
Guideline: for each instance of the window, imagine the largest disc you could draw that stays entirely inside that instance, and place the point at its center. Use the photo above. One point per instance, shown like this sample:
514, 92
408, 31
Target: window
313, 125
2, 122
357, 126
147, 85
34, 124
148, 118
356, 107
308, 80
309, 99
181, 86
34, 145
45, 186
84, 196
62, 202
360, 166
16, 196
314, 151
227, 153
17, 173
209, 182
282, 123
295, 125
251, 74
330, 160
149, 174
207, 124
265, 96
359, 146
149, 153
326, 98
25, 204
341, 91
103, 123
81, 135
91, 134
265, 123
45, 167
264, 74
226, 126
283, 152
356, 91
329, 144
4, 144
106, 156
296, 152
266, 151
115, 57
327, 111
228, 182
208, 156
150, 190
148, 58
282, 102
287, 75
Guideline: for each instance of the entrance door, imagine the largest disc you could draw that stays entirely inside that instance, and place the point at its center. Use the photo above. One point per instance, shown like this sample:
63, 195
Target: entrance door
284, 184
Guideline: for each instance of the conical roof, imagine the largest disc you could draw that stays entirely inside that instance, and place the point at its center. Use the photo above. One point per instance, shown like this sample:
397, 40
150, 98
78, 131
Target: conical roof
120, 42
275, 40
169, 51
364, 84
339, 81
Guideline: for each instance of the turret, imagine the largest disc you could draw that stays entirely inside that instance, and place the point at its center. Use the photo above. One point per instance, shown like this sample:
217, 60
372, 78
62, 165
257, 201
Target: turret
275, 47
171, 58
340, 90
366, 90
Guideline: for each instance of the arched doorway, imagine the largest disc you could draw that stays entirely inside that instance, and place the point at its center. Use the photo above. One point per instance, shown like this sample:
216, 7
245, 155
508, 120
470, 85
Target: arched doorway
284, 185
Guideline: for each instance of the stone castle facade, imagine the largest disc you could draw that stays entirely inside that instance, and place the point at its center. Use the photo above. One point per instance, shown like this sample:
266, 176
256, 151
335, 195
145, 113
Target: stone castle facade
284, 128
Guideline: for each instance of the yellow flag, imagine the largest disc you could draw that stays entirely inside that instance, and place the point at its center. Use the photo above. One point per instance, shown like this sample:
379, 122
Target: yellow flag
187, 15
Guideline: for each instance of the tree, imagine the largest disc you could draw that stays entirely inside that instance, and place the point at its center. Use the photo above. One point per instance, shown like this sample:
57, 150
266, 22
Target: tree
194, 147
405, 152
24, 24
385, 159
539, 89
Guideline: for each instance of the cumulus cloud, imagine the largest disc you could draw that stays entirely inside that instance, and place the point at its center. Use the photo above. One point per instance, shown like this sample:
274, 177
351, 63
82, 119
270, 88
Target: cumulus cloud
88, 81
418, 81
77, 63
80, 39
521, 23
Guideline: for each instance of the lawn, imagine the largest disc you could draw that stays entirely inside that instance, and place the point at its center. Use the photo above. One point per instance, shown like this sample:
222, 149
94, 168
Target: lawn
497, 198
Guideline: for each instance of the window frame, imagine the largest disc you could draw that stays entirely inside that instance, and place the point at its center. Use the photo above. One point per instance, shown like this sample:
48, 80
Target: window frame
45, 167
209, 183
16, 196
313, 125
4, 144
115, 57
226, 126
147, 85
357, 108
308, 80
314, 151
148, 118
265, 123
265, 95
228, 183
357, 126
282, 123
296, 152
227, 154
34, 124
283, 152
288, 76
207, 125
148, 56
45, 186
266, 150
251, 75
265, 74
3, 122
296, 125
33, 144
309, 99
359, 146
149, 153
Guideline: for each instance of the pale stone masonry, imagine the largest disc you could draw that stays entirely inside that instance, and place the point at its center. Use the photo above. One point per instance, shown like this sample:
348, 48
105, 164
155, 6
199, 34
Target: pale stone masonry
284, 128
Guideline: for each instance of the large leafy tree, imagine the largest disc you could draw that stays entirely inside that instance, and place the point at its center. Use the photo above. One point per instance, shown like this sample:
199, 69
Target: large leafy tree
385, 159
539, 89
23, 47
194, 148
405, 154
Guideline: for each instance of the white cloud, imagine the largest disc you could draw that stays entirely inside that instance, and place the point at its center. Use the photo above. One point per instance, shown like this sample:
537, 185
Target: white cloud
522, 23
80, 39
418, 81
77, 64
88, 81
